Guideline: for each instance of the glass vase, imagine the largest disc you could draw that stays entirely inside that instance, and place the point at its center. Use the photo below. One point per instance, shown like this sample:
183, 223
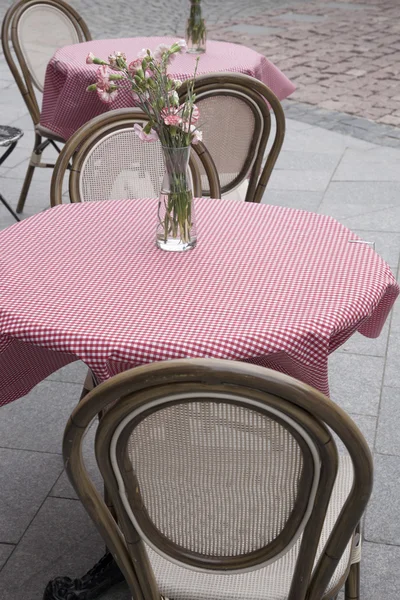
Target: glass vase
195, 29
176, 228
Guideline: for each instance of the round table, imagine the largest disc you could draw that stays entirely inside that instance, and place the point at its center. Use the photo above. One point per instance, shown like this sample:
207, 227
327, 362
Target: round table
270, 285
66, 104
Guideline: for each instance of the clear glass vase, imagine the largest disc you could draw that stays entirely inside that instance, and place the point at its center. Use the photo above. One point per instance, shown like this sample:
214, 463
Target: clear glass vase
176, 227
196, 29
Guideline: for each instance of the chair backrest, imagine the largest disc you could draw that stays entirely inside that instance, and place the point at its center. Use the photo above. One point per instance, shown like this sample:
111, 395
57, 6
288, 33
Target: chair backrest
109, 161
220, 467
32, 31
235, 118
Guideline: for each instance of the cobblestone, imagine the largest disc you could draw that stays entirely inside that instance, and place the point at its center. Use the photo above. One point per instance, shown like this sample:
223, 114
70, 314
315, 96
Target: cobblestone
342, 55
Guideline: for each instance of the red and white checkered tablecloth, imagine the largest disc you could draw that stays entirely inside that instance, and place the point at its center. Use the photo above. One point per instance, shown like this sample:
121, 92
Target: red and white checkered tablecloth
269, 285
66, 104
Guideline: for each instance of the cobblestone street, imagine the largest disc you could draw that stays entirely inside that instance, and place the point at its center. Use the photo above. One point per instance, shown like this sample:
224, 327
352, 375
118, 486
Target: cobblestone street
343, 56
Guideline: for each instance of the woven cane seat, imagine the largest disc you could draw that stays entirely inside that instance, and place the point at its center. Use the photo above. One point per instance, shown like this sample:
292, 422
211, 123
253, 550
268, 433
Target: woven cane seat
268, 583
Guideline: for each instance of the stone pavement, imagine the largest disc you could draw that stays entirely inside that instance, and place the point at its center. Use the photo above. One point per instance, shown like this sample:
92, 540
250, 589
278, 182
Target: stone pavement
44, 531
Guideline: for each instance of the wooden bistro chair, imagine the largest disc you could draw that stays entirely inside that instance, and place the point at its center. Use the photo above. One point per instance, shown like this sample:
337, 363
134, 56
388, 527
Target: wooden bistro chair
235, 118
32, 31
109, 161
226, 481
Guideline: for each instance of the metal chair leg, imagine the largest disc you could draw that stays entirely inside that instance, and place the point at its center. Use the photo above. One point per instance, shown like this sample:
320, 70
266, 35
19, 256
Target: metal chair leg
8, 207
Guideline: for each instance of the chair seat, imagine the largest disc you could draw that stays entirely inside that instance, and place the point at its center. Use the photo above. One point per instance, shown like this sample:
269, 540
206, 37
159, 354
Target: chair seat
268, 583
9, 135
47, 133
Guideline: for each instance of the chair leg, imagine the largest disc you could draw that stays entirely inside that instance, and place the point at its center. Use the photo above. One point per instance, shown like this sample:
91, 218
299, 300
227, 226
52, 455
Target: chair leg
352, 588
25, 188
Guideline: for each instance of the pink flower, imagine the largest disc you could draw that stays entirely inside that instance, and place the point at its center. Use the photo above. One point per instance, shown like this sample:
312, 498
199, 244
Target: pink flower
113, 58
196, 135
134, 66
186, 115
108, 94
171, 116
173, 120
103, 77
145, 137
90, 58
160, 50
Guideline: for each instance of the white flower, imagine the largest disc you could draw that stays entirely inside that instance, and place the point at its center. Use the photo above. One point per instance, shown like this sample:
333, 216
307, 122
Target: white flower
145, 52
160, 50
182, 44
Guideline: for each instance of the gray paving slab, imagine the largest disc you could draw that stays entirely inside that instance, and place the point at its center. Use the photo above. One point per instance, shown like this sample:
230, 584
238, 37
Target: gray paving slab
37, 421
5, 551
357, 165
25, 480
73, 373
359, 344
61, 540
382, 522
387, 435
379, 572
392, 369
309, 161
302, 200
299, 180
355, 382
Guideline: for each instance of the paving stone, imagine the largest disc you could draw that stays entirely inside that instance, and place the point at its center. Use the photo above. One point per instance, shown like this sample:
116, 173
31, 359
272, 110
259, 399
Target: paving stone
299, 199
366, 166
387, 437
359, 344
37, 421
357, 201
309, 161
61, 540
25, 480
298, 180
72, 373
392, 370
5, 551
355, 382
382, 522
379, 572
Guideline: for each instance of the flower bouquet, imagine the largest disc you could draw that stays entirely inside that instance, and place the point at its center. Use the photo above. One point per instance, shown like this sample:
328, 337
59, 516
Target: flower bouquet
174, 124
196, 29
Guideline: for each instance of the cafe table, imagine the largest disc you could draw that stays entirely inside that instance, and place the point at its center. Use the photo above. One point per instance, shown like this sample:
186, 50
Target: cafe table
273, 286
66, 104
269, 285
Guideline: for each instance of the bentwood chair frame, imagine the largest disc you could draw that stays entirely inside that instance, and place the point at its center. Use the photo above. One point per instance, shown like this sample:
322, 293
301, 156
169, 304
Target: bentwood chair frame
26, 79
133, 396
81, 144
261, 101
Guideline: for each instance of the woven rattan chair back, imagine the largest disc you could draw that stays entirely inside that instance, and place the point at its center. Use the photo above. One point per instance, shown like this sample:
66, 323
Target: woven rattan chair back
109, 161
32, 31
235, 118
219, 467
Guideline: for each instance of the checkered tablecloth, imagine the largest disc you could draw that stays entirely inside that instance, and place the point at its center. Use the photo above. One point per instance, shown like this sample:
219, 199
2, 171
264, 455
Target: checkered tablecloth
269, 285
66, 104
